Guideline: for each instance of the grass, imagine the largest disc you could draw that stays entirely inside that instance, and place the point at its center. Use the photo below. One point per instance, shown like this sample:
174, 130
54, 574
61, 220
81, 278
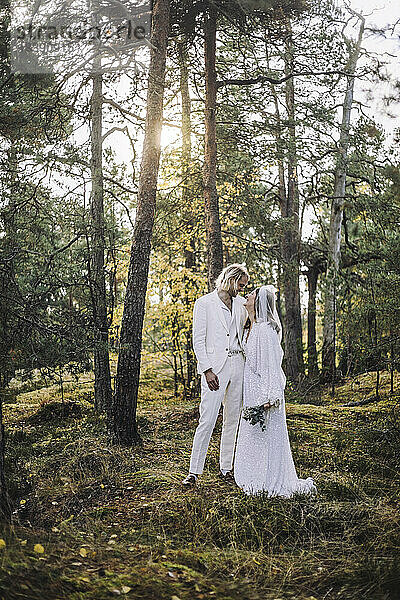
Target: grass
116, 521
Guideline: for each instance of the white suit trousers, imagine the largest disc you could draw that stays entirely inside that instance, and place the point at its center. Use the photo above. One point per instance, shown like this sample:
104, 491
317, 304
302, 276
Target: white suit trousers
230, 395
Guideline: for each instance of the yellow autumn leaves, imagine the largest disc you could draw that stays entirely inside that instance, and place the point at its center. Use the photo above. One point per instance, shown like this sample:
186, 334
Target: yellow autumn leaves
38, 548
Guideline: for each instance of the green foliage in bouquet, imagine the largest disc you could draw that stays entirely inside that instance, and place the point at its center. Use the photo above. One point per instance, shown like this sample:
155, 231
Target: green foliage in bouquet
255, 415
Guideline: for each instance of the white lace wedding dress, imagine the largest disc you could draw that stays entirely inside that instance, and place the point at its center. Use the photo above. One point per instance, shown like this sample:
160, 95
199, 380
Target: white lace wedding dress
263, 460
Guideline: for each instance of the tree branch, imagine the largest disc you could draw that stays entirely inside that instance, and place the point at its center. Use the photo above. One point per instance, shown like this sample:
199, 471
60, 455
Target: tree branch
275, 81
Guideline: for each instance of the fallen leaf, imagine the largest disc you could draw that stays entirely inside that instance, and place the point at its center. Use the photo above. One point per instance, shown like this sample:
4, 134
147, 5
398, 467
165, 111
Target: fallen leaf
24, 542
172, 574
38, 548
83, 552
131, 548
175, 598
125, 589
2, 544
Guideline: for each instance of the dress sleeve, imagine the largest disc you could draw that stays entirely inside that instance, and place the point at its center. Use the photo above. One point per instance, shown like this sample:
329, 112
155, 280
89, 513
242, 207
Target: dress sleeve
267, 365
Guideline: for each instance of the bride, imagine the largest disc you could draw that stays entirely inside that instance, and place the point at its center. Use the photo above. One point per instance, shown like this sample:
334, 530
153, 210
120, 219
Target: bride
263, 460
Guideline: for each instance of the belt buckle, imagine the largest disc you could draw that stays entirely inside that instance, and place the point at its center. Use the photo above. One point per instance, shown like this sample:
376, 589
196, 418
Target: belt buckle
234, 352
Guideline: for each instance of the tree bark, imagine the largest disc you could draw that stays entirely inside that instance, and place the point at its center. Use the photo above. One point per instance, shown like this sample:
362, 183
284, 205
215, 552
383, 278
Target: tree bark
336, 218
7, 290
124, 425
312, 277
7, 271
289, 207
102, 374
213, 225
291, 234
5, 509
189, 251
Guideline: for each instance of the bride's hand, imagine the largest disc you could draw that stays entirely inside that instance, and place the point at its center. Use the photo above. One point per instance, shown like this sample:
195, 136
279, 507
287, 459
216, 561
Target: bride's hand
267, 407
249, 306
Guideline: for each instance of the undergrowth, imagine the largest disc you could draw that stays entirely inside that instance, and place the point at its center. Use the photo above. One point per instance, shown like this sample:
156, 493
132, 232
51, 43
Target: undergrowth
95, 521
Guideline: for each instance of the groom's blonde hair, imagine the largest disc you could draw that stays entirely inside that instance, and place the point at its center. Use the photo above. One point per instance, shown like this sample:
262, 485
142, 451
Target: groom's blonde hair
231, 272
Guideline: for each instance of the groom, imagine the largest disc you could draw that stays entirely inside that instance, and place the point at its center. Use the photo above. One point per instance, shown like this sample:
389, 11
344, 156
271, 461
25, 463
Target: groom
218, 321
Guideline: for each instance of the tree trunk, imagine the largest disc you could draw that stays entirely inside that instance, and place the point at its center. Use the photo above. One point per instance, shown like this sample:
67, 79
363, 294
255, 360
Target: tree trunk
124, 426
336, 218
213, 226
392, 361
312, 277
188, 216
7, 293
102, 375
5, 509
291, 236
10, 252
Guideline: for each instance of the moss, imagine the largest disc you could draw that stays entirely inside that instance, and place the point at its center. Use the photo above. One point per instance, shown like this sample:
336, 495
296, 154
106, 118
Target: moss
114, 518
55, 411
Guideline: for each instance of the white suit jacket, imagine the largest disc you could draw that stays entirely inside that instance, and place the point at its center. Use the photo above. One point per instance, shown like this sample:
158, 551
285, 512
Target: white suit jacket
210, 332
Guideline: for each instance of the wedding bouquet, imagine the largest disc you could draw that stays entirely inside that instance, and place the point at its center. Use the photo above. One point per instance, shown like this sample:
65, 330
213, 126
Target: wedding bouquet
255, 415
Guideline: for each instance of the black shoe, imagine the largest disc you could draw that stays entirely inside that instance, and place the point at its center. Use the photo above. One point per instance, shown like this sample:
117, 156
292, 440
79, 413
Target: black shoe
228, 477
190, 480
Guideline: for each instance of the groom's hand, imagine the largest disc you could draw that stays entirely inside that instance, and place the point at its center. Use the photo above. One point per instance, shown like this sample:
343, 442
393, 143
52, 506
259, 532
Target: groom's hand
212, 380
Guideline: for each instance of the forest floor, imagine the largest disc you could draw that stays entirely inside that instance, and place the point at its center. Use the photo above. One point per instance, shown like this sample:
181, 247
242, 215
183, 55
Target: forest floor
93, 521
